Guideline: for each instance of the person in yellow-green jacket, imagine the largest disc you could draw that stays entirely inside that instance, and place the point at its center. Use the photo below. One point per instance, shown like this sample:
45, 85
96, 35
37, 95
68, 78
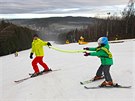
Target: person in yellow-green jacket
102, 51
37, 49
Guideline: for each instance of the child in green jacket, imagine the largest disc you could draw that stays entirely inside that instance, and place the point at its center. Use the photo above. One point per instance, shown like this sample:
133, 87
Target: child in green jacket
102, 51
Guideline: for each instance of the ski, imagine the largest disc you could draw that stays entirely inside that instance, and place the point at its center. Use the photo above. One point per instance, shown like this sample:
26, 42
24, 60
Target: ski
24, 79
89, 81
115, 86
86, 82
41, 72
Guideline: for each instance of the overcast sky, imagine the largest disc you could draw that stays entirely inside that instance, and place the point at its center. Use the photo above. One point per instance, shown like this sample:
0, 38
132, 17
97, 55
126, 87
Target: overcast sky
48, 8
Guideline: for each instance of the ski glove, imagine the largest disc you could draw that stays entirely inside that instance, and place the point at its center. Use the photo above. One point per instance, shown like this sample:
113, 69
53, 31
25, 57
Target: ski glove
86, 54
31, 55
87, 48
49, 44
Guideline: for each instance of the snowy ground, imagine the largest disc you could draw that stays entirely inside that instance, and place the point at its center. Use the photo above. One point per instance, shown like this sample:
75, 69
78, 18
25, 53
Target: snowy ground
64, 85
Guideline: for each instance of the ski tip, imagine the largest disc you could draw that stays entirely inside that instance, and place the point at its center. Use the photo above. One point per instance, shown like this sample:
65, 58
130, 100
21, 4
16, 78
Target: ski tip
126, 87
121, 86
81, 83
16, 82
86, 87
129, 86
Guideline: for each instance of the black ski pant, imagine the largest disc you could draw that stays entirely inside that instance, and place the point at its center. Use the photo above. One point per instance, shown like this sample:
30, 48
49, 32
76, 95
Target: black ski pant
104, 69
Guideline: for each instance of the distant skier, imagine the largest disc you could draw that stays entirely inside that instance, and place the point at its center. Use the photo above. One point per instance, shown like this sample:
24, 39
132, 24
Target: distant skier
16, 53
102, 51
37, 49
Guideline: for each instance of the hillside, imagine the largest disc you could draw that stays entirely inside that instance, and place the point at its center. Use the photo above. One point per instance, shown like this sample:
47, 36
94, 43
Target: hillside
14, 38
60, 29
64, 85
44, 22
50, 28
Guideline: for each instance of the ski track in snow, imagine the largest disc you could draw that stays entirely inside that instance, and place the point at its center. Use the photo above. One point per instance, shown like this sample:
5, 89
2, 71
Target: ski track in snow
64, 85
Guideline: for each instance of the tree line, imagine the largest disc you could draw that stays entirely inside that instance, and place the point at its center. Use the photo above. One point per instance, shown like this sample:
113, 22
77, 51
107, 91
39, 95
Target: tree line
113, 27
14, 38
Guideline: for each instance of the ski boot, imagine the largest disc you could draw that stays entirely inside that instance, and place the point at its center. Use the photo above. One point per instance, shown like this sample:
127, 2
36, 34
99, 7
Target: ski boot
35, 74
46, 71
107, 84
98, 78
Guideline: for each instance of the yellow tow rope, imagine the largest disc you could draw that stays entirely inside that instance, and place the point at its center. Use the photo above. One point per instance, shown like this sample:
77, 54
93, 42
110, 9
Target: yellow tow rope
68, 51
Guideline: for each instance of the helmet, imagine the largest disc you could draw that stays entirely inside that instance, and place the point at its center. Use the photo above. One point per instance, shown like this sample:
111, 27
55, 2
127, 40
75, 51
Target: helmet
103, 40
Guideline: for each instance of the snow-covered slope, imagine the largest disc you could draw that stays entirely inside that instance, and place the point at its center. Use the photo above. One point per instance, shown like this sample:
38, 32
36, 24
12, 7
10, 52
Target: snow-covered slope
64, 85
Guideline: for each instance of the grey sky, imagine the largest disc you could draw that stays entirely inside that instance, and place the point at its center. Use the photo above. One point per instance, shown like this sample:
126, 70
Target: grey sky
66, 7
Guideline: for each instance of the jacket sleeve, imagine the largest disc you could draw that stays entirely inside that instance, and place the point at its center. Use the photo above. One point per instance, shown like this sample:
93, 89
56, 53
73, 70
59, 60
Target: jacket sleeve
98, 53
92, 49
44, 43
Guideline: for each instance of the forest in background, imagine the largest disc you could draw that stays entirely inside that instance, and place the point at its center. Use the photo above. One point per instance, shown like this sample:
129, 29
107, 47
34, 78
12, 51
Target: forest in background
113, 27
16, 35
14, 38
